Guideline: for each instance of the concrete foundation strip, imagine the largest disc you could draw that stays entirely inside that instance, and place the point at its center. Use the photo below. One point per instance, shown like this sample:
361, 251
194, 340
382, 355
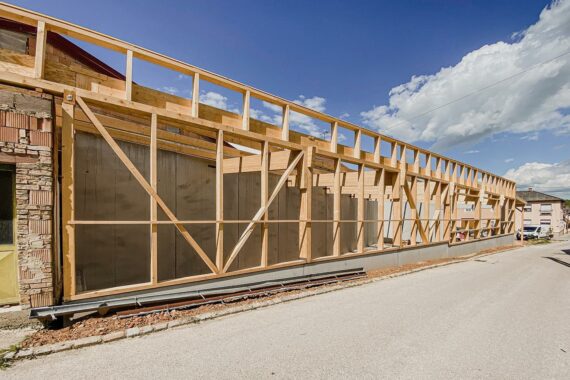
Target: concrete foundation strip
32, 352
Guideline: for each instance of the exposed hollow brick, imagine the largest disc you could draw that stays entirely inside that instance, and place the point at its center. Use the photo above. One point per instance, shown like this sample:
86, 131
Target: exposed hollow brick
17, 120
42, 255
39, 138
9, 134
38, 197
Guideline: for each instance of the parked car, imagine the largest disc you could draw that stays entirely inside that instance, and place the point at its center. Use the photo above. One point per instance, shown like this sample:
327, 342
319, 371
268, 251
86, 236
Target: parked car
534, 232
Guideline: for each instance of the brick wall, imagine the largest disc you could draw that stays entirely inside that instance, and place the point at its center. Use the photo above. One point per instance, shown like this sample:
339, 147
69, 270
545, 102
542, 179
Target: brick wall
26, 140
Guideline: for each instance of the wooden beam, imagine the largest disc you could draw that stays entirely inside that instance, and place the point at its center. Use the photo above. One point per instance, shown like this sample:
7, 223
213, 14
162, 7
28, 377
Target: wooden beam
411, 194
285, 123
67, 197
306, 187
397, 209
263, 202
195, 95
357, 143
336, 208
129, 76
257, 217
143, 182
380, 185
426, 209
413, 206
220, 200
334, 137
245, 112
153, 204
377, 147
39, 64
360, 210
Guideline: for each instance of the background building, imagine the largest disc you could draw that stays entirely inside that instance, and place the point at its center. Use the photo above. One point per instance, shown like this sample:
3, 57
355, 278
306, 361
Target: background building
543, 209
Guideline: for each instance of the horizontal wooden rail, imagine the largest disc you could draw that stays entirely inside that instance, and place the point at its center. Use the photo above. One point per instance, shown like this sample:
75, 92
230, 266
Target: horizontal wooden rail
467, 176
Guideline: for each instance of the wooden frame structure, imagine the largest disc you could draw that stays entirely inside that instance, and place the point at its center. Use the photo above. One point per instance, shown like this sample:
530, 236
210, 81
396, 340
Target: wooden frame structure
422, 188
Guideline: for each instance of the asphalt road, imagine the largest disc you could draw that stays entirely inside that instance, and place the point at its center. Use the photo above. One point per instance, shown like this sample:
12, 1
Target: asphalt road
502, 316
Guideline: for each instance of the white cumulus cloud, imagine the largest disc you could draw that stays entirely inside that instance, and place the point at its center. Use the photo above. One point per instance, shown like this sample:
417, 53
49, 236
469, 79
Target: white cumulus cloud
524, 104
217, 100
545, 177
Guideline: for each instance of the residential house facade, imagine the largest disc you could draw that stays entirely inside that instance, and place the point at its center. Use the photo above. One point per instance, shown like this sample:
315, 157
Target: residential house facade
543, 209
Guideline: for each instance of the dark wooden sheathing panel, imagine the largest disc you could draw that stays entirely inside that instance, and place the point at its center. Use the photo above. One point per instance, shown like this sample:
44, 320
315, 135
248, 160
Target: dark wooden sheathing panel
370, 213
284, 237
322, 233
110, 255
348, 211
187, 186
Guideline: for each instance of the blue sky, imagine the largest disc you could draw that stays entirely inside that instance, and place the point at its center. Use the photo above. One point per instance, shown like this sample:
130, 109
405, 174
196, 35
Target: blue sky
349, 57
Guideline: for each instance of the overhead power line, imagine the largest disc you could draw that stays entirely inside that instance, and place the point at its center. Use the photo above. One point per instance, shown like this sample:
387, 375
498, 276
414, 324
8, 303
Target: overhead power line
409, 120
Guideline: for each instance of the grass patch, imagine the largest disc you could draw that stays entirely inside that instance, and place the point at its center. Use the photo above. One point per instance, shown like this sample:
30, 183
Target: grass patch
538, 241
3, 362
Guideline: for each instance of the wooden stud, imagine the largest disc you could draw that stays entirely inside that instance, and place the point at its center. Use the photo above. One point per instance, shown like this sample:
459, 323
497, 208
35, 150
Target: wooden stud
334, 137
360, 227
426, 211
220, 200
39, 64
377, 146
153, 204
357, 143
306, 187
67, 197
129, 76
411, 194
195, 94
263, 202
336, 208
245, 112
380, 185
285, 123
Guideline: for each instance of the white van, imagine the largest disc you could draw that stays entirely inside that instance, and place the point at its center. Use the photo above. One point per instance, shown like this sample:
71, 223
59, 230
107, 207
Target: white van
534, 232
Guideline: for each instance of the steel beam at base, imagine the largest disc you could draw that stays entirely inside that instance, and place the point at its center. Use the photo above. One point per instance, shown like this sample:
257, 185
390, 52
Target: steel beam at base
136, 301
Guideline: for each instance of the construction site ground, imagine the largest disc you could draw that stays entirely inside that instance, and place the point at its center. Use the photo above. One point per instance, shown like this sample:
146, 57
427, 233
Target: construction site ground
31, 335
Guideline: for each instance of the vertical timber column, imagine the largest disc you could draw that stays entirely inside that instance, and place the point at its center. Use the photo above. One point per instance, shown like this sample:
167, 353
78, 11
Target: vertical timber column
245, 113
153, 204
336, 207
306, 187
195, 95
67, 198
447, 212
129, 76
360, 210
474, 182
264, 199
438, 211
334, 137
220, 200
402, 178
380, 187
414, 210
426, 209
39, 64
397, 209
357, 143
285, 123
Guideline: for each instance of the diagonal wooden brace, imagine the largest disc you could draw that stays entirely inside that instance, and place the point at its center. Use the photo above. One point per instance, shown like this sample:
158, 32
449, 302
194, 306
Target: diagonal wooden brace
412, 202
261, 212
143, 182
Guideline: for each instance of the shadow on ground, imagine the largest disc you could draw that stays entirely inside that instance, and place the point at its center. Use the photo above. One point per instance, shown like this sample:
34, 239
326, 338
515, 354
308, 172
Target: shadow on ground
557, 261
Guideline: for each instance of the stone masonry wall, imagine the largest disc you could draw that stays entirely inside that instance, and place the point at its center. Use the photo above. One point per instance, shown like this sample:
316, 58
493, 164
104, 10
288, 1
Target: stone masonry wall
26, 140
